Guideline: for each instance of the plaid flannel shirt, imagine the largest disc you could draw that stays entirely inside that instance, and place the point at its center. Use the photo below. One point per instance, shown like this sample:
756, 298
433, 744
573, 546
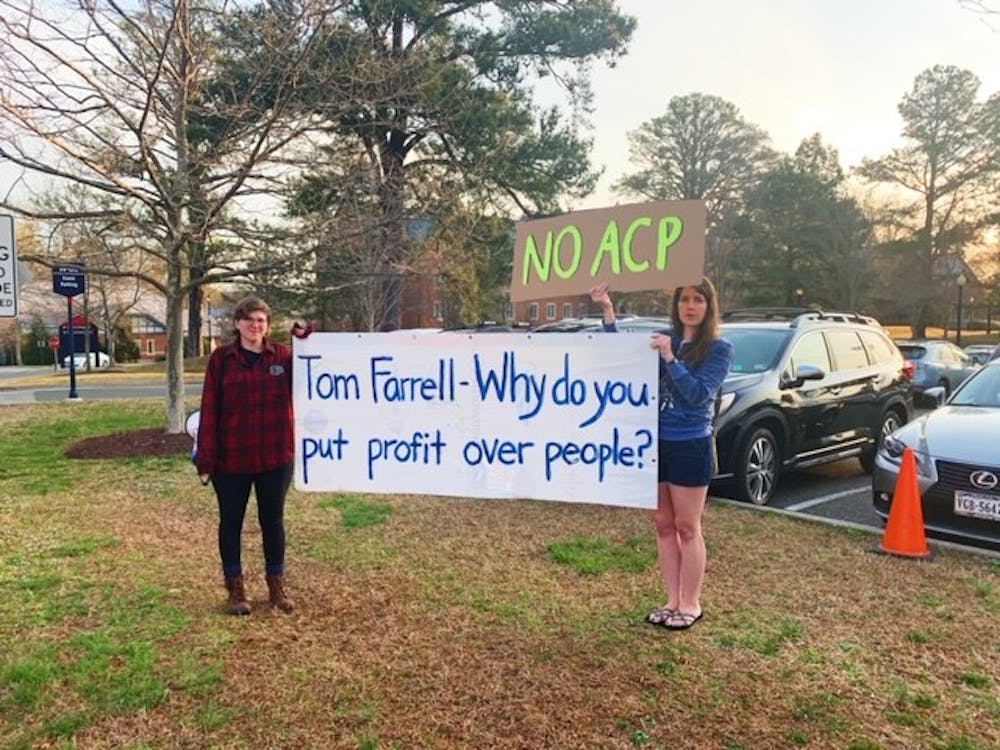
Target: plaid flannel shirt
246, 412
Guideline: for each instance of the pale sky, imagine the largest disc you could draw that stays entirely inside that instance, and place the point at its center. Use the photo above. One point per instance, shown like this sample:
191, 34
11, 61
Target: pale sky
792, 67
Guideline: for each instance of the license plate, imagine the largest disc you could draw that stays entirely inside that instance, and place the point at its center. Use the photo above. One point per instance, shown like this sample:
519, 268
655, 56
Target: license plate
977, 506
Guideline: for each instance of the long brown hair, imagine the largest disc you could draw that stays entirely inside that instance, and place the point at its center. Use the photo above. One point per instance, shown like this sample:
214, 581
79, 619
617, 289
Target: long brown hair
708, 330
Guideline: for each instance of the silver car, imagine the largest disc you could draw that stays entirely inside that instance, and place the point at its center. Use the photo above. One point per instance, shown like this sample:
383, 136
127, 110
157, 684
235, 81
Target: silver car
625, 323
937, 364
980, 353
958, 463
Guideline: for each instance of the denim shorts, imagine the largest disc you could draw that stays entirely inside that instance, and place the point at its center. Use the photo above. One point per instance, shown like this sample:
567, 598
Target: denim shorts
687, 463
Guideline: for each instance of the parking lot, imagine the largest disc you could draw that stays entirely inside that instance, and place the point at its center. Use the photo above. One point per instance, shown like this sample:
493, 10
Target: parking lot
838, 492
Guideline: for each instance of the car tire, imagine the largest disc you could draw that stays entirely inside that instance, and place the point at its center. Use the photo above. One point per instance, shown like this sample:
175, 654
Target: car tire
891, 421
757, 467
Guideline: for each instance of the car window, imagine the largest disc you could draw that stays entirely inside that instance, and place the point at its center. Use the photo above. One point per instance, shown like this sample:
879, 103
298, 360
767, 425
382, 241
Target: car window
981, 389
848, 352
880, 350
755, 349
809, 350
912, 352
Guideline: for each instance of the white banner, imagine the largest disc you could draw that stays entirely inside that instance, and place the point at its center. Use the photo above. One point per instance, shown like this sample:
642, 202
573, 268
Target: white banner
492, 415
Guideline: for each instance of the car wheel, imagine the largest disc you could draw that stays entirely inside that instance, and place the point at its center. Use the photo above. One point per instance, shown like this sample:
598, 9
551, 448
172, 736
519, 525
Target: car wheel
757, 470
891, 421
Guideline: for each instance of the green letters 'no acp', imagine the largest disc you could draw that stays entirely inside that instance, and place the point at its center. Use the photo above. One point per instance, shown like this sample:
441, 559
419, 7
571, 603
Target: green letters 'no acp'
655, 245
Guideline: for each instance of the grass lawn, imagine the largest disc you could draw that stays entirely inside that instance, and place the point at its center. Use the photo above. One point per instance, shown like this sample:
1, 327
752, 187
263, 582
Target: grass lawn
447, 623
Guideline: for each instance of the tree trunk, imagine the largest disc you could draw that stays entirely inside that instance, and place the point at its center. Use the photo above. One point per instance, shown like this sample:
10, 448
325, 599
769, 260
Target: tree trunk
175, 344
393, 228
194, 313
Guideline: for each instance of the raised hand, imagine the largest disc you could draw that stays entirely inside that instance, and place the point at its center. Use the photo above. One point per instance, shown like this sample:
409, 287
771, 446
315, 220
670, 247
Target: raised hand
600, 295
300, 330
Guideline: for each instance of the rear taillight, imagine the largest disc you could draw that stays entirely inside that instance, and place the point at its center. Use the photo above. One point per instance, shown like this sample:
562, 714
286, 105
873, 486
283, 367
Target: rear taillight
909, 369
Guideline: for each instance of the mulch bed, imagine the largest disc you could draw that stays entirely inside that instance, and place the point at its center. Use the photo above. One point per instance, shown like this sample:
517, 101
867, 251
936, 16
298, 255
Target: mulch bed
151, 442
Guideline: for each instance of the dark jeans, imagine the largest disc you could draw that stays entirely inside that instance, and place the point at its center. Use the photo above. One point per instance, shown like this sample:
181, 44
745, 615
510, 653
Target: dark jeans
233, 492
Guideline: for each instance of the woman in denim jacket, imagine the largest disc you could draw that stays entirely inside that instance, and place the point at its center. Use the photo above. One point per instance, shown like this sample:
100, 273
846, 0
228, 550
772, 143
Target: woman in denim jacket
694, 361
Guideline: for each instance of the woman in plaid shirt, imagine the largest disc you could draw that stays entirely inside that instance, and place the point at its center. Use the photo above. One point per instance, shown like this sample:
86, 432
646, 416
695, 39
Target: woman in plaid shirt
245, 439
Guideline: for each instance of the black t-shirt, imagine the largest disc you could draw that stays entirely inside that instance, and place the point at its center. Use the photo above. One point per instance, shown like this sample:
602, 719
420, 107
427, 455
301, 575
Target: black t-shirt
249, 356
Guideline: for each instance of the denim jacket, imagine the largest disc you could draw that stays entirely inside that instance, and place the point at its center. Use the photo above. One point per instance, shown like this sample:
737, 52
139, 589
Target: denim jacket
687, 393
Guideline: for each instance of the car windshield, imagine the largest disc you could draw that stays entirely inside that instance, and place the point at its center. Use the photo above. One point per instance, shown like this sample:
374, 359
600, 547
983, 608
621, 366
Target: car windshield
981, 389
755, 349
912, 352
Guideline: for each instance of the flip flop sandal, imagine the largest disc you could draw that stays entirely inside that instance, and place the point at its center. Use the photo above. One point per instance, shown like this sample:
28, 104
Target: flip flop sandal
661, 615
682, 620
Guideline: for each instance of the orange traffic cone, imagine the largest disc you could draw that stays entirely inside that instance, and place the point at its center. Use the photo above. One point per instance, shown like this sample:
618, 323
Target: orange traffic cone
904, 531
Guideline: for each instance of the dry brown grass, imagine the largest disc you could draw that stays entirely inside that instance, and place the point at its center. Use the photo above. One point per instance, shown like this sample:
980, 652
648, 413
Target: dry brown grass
450, 626
968, 337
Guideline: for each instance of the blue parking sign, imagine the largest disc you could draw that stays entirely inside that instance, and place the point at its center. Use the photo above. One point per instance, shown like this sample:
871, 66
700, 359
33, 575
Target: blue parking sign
69, 281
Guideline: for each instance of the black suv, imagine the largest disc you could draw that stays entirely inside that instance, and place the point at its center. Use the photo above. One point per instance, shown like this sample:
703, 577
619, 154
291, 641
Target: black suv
806, 387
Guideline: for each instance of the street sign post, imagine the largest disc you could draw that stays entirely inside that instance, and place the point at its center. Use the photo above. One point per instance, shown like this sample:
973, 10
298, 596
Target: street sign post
8, 268
69, 281
54, 346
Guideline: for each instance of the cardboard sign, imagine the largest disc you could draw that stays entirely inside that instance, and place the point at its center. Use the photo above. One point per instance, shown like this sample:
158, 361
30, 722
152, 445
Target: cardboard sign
567, 417
657, 245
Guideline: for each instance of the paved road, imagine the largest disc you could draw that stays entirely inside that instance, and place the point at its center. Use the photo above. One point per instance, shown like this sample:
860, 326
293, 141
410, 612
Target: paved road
91, 393
839, 492
96, 393
12, 371
85, 391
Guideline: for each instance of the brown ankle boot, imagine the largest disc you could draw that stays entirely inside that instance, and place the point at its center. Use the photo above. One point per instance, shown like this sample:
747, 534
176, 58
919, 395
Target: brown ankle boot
276, 587
237, 604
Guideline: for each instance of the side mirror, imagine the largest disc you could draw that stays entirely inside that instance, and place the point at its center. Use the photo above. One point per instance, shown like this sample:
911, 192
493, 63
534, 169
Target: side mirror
935, 395
810, 372
802, 374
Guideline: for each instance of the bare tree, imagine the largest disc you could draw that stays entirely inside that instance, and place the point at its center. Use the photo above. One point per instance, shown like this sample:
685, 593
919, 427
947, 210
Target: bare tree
124, 102
701, 148
950, 170
988, 11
